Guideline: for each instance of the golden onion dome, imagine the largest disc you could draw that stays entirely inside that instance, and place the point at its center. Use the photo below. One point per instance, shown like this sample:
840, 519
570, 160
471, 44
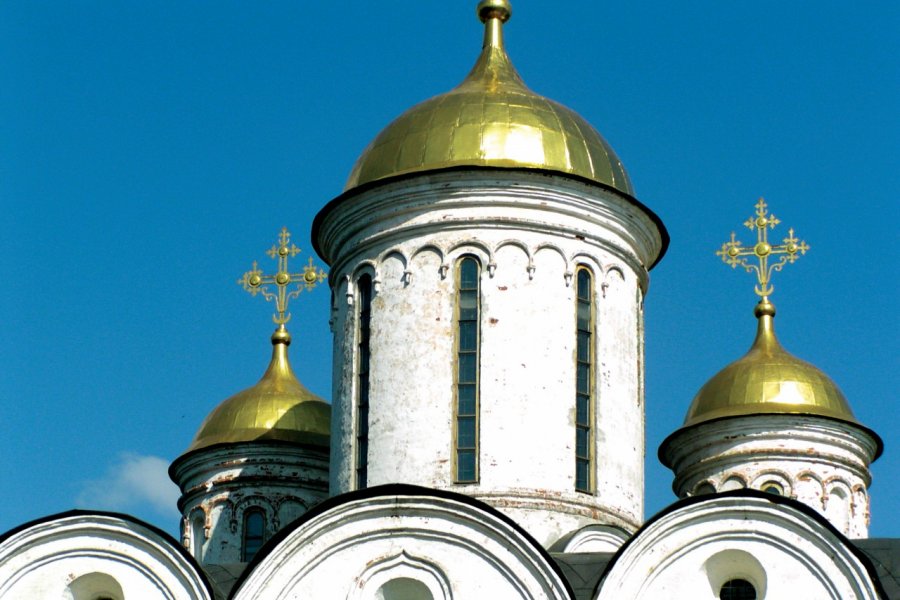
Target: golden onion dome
277, 408
491, 119
768, 380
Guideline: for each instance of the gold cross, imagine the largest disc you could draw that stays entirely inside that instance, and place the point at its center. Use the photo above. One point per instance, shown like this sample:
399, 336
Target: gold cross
733, 254
255, 282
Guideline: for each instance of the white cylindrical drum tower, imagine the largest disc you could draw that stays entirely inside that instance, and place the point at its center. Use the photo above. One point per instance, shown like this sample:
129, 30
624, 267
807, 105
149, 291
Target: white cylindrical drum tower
488, 269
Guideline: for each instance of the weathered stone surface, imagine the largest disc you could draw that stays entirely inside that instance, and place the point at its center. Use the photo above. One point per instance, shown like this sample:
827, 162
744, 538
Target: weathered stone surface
823, 463
219, 484
530, 233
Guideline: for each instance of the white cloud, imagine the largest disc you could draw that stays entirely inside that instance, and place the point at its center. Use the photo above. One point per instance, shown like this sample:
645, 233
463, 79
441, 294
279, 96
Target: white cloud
133, 483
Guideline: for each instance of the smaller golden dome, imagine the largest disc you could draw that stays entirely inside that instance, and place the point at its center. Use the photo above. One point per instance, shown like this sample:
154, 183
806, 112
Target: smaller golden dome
277, 408
768, 380
492, 120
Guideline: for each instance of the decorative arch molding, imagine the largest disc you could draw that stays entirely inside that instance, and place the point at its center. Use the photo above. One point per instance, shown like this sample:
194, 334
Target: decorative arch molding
429, 536
691, 547
422, 251
703, 487
860, 502
44, 558
365, 267
222, 502
582, 259
469, 246
195, 530
549, 247
614, 269
838, 483
430, 247
279, 502
613, 276
808, 488
197, 511
529, 253
368, 584
810, 476
472, 247
838, 502
484, 252
396, 253
254, 501
530, 267
780, 478
732, 482
860, 492
476, 199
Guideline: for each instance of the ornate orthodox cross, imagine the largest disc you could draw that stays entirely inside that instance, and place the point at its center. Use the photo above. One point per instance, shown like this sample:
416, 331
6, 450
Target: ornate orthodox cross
256, 282
789, 251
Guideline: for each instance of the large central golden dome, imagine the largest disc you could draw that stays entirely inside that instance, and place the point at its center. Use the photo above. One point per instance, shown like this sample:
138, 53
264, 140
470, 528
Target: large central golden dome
491, 119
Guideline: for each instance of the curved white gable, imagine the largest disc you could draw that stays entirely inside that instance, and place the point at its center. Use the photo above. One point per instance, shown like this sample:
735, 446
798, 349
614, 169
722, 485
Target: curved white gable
81, 556
782, 550
383, 547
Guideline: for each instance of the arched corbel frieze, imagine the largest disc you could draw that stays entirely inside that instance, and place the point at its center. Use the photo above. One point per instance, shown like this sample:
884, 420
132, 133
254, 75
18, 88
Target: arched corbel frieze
437, 250
366, 267
733, 481
582, 258
253, 501
782, 479
476, 248
553, 248
529, 268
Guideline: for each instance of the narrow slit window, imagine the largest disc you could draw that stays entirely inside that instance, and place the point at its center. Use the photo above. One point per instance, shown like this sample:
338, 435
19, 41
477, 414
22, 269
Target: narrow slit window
362, 375
198, 533
467, 349
584, 370
254, 533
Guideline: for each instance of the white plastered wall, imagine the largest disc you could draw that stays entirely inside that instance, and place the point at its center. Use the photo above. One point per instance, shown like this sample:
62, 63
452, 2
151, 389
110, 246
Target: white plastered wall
220, 484
823, 463
529, 232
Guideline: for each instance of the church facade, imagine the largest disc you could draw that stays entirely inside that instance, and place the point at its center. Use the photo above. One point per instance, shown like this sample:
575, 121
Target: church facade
488, 265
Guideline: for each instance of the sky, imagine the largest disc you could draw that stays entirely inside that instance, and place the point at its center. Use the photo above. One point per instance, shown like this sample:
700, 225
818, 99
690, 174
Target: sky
150, 151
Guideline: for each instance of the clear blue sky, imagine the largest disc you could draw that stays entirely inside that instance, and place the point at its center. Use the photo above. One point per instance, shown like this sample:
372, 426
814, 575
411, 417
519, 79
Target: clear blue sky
149, 151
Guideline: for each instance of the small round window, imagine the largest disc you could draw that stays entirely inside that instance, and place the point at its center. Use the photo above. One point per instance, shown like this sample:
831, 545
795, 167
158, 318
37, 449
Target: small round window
737, 589
770, 487
704, 488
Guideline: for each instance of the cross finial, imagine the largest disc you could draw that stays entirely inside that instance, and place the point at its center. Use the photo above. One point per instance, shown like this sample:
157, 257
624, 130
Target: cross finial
789, 251
256, 282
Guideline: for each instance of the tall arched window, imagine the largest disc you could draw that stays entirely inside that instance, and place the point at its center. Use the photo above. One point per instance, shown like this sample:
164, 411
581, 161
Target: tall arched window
584, 370
364, 286
254, 533
467, 351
